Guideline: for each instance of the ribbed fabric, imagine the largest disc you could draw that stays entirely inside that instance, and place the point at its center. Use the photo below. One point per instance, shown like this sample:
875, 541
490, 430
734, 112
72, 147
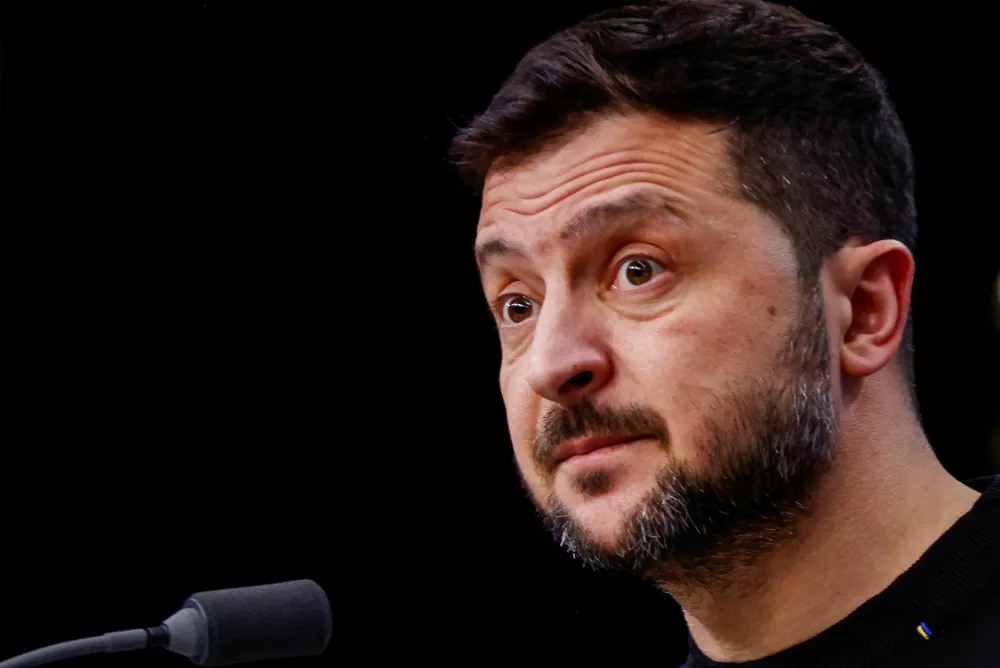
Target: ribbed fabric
954, 589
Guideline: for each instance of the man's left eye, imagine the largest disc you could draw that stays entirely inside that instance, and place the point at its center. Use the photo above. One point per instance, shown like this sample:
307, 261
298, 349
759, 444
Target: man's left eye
637, 271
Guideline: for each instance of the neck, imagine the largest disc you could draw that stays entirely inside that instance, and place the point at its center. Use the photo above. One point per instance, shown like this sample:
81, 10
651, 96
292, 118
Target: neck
882, 504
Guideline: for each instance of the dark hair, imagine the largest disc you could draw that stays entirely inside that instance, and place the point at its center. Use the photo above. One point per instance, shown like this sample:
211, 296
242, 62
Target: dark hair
814, 137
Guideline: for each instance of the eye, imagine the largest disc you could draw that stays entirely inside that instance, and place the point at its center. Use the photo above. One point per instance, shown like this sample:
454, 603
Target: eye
637, 271
516, 309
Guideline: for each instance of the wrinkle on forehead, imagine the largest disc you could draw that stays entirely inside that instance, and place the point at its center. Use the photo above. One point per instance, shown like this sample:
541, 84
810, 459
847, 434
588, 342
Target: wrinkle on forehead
680, 156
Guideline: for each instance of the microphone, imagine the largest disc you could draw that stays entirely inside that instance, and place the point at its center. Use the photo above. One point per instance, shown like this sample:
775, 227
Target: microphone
219, 628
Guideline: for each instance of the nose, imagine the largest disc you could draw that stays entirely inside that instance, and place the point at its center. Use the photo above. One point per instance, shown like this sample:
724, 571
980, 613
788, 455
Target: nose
569, 360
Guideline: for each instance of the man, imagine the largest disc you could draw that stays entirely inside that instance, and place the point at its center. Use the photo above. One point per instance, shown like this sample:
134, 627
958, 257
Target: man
696, 236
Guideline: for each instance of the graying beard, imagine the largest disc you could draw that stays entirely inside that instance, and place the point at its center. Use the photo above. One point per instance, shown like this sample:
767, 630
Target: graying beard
702, 530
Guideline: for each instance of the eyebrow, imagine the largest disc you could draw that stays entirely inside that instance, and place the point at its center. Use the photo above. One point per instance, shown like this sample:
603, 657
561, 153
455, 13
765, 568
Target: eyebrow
587, 222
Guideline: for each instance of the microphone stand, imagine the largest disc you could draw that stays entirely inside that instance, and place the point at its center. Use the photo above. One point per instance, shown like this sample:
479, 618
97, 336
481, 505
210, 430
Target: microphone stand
119, 641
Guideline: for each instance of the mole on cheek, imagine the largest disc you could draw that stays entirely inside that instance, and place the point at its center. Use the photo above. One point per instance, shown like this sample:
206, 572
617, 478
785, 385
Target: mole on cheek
772, 310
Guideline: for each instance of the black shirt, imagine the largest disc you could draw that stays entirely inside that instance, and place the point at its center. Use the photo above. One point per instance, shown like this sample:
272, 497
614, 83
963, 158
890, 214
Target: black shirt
942, 612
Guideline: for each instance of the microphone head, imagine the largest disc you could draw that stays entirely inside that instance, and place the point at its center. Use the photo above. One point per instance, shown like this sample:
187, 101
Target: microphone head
227, 626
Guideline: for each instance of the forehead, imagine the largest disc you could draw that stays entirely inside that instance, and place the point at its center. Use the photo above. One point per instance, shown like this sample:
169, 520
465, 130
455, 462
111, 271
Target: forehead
684, 161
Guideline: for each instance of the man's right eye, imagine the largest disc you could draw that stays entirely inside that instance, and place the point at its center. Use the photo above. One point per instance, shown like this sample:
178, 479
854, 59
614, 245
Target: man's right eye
515, 309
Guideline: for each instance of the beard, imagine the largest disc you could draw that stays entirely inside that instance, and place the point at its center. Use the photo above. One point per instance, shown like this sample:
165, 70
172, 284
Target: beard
766, 441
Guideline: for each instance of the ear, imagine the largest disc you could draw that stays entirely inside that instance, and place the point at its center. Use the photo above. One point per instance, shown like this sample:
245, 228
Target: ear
873, 282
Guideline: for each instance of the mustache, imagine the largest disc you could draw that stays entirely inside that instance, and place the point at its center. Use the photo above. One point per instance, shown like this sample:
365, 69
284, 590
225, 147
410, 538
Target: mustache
561, 423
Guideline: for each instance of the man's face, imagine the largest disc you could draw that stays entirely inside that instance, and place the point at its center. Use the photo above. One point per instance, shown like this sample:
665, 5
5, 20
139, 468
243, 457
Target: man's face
644, 313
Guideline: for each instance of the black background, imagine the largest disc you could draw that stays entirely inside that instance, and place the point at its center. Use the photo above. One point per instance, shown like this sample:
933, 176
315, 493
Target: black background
246, 341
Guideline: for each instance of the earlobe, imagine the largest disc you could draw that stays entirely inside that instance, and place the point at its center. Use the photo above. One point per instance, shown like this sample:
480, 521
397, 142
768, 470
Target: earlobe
879, 297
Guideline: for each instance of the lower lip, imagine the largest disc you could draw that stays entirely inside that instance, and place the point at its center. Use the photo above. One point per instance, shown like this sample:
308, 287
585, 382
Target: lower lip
595, 456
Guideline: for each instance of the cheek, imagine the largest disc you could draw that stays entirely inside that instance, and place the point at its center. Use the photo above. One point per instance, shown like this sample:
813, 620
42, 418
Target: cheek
682, 363
713, 339
522, 406
737, 327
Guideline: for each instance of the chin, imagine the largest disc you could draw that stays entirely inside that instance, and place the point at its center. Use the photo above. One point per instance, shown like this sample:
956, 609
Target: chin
602, 501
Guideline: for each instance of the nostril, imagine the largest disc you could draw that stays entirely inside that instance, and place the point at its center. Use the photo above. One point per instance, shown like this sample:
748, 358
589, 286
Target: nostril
582, 379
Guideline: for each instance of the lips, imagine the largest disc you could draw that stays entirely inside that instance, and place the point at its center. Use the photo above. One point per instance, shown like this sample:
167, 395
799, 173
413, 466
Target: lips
587, 444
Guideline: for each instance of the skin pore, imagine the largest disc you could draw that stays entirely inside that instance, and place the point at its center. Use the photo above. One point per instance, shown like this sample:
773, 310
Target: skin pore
632, 294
